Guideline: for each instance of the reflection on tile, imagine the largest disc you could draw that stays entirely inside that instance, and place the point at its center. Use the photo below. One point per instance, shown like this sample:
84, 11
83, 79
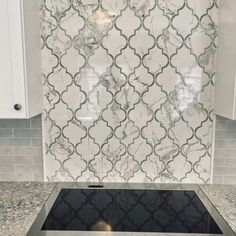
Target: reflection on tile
128, 89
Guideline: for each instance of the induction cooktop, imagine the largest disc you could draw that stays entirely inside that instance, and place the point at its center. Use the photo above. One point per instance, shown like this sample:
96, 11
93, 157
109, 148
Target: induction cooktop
122, 209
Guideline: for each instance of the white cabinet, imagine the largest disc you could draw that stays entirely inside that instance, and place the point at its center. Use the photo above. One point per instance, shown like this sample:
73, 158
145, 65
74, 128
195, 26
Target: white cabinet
20, 67
225, 82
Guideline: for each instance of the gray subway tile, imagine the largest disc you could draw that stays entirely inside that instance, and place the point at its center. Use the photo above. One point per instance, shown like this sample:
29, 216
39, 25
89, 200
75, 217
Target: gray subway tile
222, 134
231, 125
27, 176
14, 123
230, 144
27, 133
38, 160
230, 153
230, 179
220, 143
232, 134
220, 152
6, 160
21, 141
28, 151
7, 168
15, 141
38, 176
230, 162
6, 151
218, 180
8, 176
219, 162
6, 141
21, 150
5, 132
221, 124
28, 168
35, 123
37, 142
224, 171
23, 160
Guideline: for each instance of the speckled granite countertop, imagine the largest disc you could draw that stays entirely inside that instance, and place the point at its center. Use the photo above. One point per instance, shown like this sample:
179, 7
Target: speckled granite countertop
223, 198
21, 202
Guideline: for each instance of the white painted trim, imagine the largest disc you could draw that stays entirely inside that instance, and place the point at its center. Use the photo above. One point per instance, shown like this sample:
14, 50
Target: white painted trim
24, 58
213, 149
234, 102
43, 147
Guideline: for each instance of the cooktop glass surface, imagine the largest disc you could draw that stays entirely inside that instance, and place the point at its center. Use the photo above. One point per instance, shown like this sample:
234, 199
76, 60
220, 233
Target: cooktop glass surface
170, 211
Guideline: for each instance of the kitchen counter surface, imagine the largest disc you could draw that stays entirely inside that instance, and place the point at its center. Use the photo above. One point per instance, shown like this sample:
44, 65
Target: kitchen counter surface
223, 198
21, 202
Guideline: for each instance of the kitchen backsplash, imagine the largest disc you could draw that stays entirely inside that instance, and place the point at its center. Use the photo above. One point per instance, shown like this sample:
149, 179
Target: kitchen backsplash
106, 121
21, 150
128, 89
24, 136
225, 151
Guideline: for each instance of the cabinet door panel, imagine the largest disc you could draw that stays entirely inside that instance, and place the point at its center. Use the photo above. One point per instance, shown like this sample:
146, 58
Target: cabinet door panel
11, 60
6, 90
225, 85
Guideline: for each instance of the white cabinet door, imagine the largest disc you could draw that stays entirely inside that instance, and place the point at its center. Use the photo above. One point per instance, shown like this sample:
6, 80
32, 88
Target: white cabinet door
225, 82
20, 68
12, 83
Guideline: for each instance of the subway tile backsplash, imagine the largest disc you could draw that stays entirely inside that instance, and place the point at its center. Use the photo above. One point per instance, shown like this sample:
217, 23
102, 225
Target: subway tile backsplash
224, 170
103, 119
21, 157
5, 132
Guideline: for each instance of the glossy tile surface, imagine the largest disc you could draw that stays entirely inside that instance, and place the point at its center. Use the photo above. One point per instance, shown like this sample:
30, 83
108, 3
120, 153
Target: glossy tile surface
128, 89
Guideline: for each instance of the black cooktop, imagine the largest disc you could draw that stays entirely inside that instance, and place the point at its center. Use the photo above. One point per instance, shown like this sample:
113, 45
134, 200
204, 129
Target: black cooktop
170, 211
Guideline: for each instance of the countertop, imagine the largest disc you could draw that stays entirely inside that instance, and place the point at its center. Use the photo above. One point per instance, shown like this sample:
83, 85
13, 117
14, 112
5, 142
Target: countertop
21, 202
223, 198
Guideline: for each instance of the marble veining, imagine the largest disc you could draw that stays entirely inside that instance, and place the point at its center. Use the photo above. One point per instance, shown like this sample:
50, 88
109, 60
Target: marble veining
128, 89
20, 204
